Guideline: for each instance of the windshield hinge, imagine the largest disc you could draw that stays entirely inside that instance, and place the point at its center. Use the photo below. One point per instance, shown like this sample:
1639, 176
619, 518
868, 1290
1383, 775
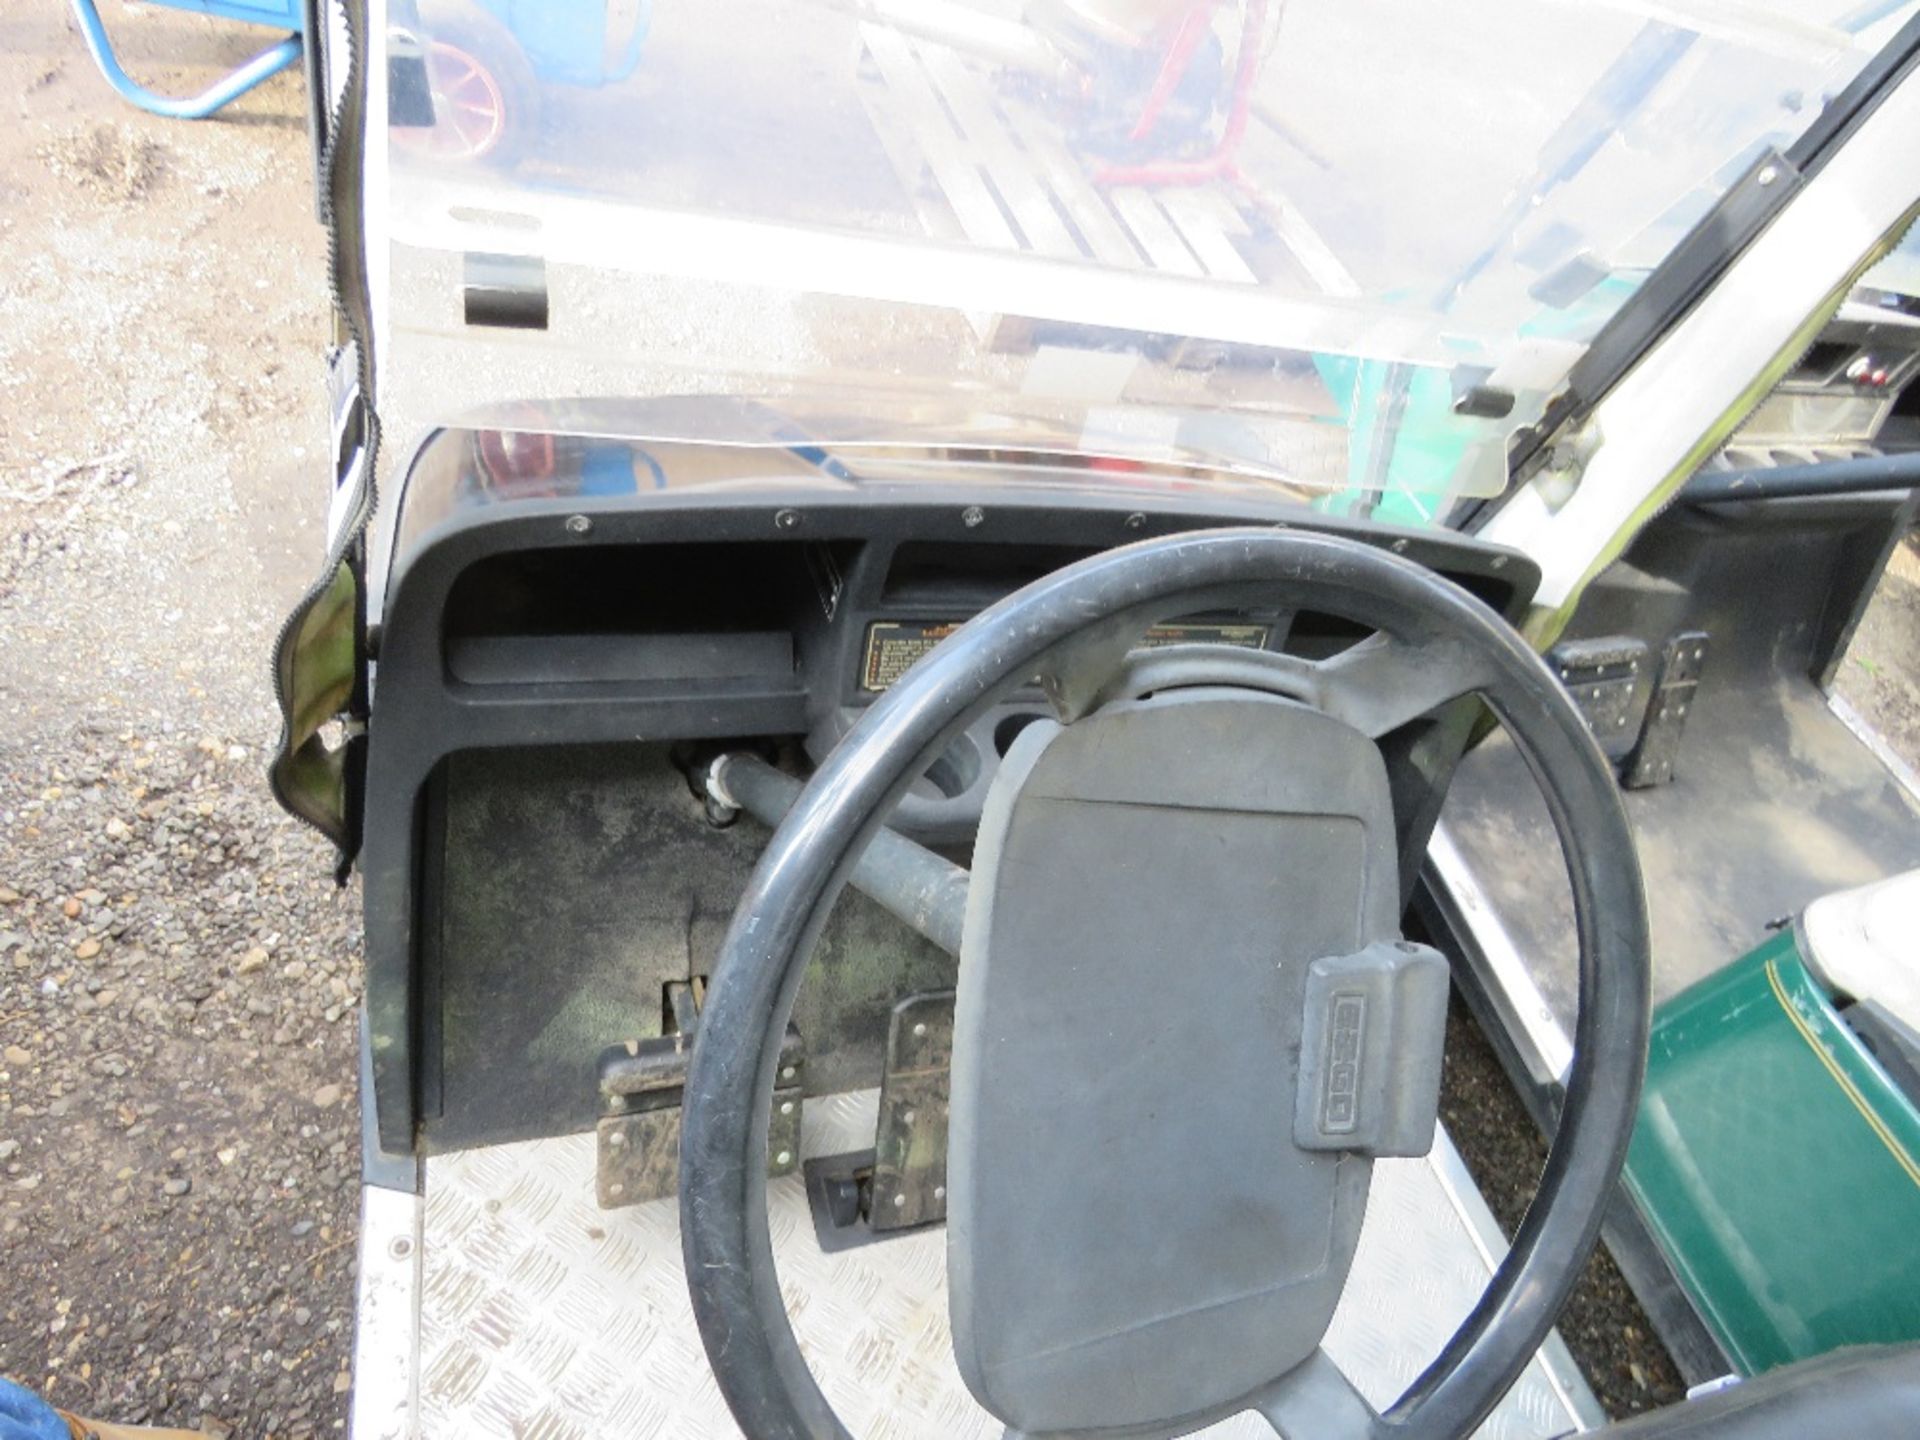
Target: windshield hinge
1560, 467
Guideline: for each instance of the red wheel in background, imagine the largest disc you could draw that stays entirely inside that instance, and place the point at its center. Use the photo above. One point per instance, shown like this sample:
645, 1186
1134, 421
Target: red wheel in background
470, 113
486, 102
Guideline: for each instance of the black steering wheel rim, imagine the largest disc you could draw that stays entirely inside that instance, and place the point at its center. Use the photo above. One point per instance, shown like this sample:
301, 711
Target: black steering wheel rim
736, 1297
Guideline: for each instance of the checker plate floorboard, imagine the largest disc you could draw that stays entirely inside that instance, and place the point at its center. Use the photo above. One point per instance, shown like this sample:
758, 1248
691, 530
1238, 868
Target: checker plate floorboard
543, 1317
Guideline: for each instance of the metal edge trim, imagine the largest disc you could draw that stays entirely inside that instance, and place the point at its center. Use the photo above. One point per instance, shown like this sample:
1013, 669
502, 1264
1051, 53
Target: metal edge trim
1863, 731
1544, 1045
386, 1341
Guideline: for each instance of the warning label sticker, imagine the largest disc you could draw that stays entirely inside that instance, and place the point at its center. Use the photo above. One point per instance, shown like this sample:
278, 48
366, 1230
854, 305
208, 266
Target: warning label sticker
1188, 632
893, 645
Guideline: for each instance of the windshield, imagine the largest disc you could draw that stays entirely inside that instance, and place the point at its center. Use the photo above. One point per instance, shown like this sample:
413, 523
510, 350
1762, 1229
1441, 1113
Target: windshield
1345, 246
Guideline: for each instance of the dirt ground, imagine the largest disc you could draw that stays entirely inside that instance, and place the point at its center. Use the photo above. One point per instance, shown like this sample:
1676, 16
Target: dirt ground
178, 1132
178, 1122
1880, 677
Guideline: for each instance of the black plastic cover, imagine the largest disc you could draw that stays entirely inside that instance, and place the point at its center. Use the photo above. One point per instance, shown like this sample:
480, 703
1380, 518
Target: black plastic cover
1133, 1235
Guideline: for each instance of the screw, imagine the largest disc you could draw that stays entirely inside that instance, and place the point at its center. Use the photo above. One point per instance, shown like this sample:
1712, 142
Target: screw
785, 1157
1136, 521
786, 1107
919, 1030
972, 516
786, 519
578, 524
1768, 174
401, 1248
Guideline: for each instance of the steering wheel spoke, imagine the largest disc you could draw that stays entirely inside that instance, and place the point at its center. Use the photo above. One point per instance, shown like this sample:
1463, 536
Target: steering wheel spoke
1316, 1401
1384, 681
1376, 687
1080, 674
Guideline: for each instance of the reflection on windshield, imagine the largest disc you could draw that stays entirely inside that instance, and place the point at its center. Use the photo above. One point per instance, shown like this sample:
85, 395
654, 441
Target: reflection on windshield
1348, 243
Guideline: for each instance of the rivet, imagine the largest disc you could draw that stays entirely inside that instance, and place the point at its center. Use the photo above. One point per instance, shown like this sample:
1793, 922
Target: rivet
786, 1107
785, 1157
919, 1030
906, 1117
1136, 520
900, 1202
1399, 547
616, 1140
787, 1073
1768, 174
401, 1248
939, 1192
972, 516
578, 524
1499, 562
616, 1188
786, 519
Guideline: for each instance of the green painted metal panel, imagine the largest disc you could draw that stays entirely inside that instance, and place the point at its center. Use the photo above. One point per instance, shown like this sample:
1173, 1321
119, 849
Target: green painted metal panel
1779, 1166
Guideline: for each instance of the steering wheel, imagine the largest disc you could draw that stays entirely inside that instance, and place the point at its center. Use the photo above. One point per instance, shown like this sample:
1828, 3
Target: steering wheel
1077, 630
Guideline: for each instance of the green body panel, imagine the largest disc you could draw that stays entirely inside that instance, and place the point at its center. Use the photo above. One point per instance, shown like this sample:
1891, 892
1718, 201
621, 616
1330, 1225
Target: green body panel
1778, 1166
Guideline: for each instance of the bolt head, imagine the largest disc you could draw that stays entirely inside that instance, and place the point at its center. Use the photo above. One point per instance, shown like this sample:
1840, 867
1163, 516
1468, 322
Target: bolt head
578, 524
786, 519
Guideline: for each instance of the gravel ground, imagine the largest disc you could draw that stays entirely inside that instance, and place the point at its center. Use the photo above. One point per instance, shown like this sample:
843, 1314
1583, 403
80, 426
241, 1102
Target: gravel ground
178, 1126
182, 1149
178, 1122
1603, 1325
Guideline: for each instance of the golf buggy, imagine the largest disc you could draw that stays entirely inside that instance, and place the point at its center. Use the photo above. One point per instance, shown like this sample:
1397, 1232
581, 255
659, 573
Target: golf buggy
975, 615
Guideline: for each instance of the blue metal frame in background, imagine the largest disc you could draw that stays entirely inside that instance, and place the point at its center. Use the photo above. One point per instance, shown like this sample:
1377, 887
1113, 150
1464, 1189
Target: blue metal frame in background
268, 63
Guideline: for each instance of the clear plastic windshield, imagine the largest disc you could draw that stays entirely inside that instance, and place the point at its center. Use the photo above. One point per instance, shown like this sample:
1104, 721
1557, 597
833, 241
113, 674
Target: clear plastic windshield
1347, 246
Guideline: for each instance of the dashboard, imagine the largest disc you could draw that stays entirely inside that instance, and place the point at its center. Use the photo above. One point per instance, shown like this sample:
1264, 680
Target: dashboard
710, 615
554, 657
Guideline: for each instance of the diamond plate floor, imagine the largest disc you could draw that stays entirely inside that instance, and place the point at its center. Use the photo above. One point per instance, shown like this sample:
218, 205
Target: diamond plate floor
542, 1317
